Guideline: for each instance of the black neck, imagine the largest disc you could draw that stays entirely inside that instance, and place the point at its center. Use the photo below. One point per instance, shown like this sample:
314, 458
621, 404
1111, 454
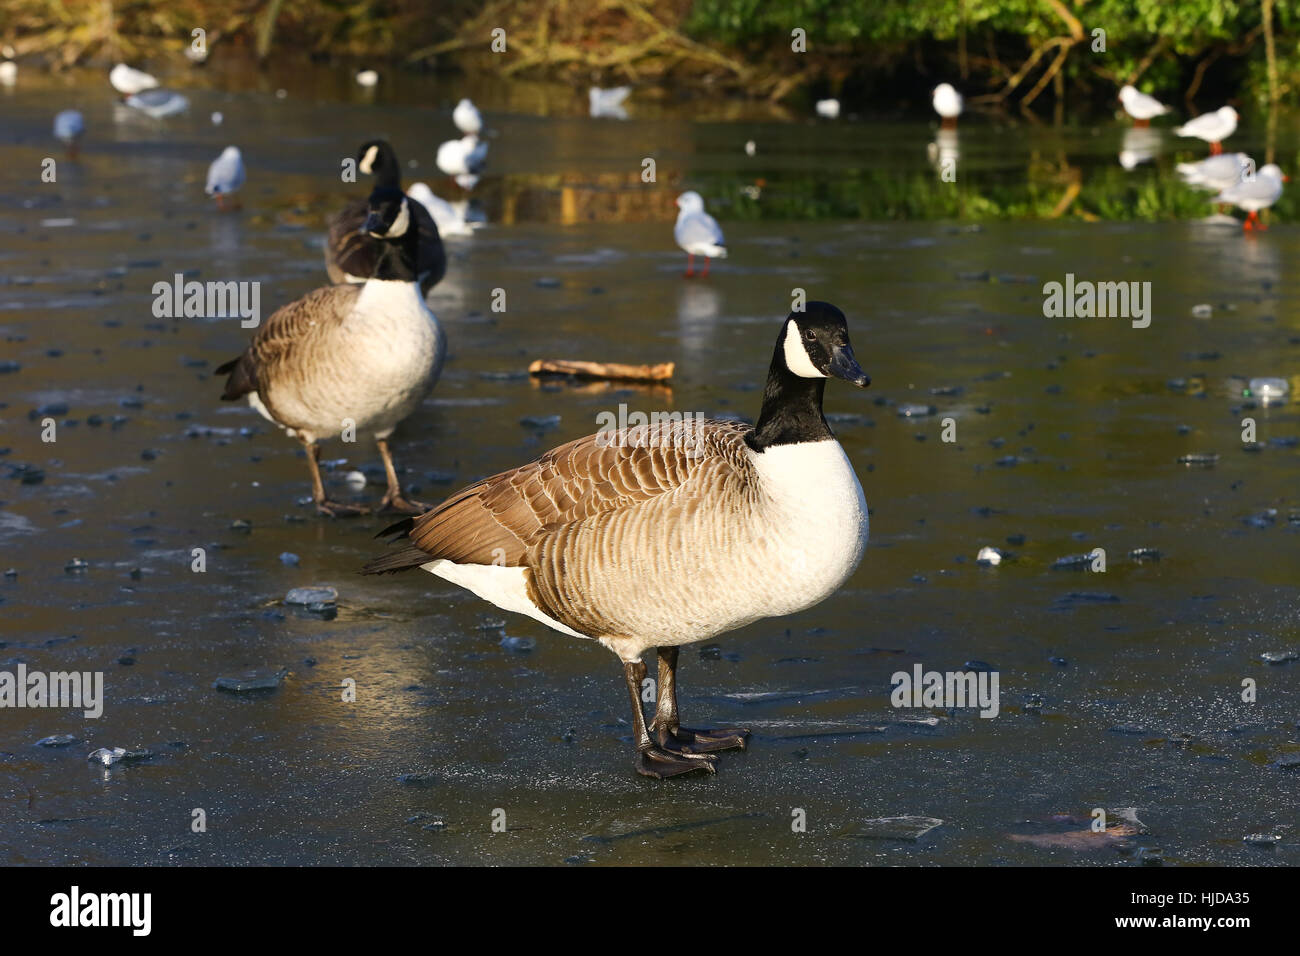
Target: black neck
792, 408
398, 256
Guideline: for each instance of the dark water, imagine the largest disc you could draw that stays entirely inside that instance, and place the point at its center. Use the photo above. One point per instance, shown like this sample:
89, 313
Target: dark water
1118, 690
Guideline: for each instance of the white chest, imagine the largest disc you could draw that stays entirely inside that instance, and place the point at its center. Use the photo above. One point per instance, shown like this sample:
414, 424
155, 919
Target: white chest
816, 519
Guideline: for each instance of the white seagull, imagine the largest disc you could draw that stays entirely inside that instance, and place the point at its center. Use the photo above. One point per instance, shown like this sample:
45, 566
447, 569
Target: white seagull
447, 216
8, 72
1255, 193
68, 129
828, 108
158, 103
608, 103
463, 159
1214, 128
1218, 172
367, 78
225, 175
467, 118
1141, 107
697, 232
947, 103
129, 81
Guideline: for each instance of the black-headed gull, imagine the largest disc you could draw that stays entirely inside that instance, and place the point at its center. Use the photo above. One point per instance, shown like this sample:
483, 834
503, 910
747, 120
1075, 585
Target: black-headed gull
69, 126
463, 159
1141, 107
448, 216
697, 232
1255, 193
1214, 128
947, 103
367, 78
129, 81
158, 103
8, 72
828, 108
608, 103
1218, 172
467, 118
225, 175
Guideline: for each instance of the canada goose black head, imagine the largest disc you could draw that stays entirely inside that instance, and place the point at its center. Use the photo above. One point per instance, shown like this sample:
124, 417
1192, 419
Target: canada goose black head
389, 219
377, 158
813, 345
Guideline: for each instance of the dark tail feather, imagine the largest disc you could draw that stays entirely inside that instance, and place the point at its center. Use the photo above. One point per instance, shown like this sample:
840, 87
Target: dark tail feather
243, 378
398, 527
401, 560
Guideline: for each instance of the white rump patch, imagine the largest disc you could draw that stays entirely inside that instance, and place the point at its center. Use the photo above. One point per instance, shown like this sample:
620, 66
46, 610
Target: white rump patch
505, 587
796, 356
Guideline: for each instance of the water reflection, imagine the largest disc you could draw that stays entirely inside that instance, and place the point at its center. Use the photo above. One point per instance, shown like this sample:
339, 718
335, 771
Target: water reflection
944, 154
1141, 145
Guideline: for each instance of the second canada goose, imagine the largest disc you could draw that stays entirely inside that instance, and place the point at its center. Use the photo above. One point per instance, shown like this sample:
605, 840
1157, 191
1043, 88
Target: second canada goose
669, 533
349, 358
351, 252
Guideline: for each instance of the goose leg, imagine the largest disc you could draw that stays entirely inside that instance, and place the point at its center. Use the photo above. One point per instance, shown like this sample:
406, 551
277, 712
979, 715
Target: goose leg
394, 498
653, 761
335, 509
669, 732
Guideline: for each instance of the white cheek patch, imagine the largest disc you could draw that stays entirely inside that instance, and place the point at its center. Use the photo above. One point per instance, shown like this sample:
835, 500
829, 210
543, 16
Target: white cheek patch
400, 224
368, 161
796, 356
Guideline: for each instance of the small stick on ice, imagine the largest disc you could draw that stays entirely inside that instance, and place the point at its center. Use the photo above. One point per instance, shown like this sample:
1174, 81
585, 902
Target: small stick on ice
607, 370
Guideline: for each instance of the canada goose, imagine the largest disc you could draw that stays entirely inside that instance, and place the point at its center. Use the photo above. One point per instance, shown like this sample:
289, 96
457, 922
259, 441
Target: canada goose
697, 232
349, 357
947, 103
225, 175
129, 81
669, 533
467, 118
1251, 195
351, 252
69, 127
1213, 128
1140, 106
463, 159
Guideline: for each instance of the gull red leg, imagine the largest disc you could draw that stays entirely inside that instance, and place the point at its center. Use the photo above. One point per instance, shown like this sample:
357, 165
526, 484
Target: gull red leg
690, 265
705, 273
1216, 149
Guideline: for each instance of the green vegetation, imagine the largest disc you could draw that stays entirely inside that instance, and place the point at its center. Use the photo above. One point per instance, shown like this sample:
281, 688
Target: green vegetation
1003, 53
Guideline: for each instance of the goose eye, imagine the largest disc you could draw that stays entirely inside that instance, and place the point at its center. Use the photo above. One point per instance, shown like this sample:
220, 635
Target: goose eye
810, 335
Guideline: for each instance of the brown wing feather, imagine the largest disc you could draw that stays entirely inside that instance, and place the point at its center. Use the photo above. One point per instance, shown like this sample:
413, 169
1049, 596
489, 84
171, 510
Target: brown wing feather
290, 328
504, 519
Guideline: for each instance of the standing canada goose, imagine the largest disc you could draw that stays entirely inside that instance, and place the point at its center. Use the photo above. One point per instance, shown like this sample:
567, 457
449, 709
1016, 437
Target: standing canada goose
349, 357
467, 118
947, 103
351, 252
225, 175
670, 533
697, 233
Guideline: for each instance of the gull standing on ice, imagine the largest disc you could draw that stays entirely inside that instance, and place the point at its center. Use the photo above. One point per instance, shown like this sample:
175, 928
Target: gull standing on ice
697, 232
